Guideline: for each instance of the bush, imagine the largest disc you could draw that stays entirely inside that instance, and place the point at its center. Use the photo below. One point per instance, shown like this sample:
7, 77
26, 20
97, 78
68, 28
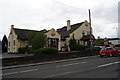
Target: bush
77, 47
23, 50
46, 51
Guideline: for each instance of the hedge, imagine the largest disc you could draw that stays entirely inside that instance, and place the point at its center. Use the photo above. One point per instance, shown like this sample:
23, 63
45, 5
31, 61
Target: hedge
46, 51
23, 50
77, 47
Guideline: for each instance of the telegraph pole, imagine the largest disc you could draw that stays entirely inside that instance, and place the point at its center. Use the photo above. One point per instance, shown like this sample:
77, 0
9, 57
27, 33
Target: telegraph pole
90, 33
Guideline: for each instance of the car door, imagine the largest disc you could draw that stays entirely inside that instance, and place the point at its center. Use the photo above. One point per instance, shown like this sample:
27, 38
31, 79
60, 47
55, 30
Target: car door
114, 51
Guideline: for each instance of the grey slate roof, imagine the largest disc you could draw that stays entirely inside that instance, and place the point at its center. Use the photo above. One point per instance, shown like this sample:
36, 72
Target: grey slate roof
64, 33
22, 33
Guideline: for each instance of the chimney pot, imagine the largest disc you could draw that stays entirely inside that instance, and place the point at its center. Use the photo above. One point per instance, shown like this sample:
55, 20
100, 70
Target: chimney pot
12, 26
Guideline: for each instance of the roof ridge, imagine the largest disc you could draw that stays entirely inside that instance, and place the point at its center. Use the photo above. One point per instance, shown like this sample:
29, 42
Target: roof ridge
77, 23
25, 29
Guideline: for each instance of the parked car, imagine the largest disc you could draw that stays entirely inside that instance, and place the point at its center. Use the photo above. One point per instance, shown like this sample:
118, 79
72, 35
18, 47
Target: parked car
109, 51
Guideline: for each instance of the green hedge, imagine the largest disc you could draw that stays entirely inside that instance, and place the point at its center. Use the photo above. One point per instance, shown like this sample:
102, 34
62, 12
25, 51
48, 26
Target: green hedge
77, 47
46, 51
23, 50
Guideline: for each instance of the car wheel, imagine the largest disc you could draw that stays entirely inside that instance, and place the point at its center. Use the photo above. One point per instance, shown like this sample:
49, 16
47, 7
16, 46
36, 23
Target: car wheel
110, 54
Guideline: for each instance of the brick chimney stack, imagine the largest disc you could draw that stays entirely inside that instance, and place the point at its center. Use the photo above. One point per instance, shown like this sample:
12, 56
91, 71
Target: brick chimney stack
68, 25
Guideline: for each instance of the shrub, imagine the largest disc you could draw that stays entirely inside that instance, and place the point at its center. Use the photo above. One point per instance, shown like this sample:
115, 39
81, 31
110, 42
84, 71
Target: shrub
76, 47
46, 51
23, 50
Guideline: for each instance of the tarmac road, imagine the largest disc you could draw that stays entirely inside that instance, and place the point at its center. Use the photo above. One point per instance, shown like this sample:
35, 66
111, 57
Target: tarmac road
93, 67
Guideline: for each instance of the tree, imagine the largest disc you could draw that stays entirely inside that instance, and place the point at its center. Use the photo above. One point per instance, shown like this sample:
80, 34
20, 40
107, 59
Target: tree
4, 44
37, 39
99, 42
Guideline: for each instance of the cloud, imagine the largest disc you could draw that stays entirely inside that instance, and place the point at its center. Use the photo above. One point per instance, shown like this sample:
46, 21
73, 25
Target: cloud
47, 14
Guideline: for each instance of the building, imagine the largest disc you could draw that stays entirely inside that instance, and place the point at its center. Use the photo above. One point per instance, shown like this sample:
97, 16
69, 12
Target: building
114, 41
56, 38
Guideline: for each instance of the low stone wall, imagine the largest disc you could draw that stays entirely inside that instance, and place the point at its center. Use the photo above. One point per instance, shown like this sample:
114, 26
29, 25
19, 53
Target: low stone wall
45, 57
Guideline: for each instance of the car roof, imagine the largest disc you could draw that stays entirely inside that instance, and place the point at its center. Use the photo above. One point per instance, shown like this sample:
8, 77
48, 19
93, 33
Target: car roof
108, 47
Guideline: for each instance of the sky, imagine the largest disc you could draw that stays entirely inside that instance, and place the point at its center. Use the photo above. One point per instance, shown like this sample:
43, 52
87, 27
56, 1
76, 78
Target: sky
47, 14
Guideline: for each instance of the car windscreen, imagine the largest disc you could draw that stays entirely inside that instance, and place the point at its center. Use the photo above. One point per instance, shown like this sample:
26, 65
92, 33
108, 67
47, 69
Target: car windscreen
103, 49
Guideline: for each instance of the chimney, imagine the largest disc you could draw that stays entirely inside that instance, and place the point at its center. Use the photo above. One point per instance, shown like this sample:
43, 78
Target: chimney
68, 25
12, 26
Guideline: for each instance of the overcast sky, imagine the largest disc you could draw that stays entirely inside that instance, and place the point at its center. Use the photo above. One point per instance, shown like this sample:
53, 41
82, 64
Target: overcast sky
47, 14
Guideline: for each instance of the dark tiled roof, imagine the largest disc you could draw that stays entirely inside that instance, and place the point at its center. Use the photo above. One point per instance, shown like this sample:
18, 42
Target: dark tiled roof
22, 33
87, 37
64, 33
113, 38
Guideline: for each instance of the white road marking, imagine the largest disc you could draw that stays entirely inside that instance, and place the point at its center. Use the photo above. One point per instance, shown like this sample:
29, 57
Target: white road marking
71, 64
9, 73
67, 65
109, 64
84, 62
20, 72
28, 71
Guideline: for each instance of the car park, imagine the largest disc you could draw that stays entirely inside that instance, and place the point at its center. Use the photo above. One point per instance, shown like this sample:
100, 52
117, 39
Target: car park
109, 51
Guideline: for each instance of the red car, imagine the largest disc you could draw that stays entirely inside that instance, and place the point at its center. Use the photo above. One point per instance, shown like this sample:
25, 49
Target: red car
109, 51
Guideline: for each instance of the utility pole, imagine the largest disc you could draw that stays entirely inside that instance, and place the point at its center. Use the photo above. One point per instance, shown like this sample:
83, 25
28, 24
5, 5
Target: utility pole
90, 33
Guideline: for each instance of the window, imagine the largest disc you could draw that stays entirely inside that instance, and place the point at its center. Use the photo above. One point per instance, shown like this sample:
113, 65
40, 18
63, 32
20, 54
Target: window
9, 43
88, 32
103, 49
83, 33
49, 41
14, 42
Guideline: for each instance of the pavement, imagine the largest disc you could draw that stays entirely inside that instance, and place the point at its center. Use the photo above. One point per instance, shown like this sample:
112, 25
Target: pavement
92, 67
6, 55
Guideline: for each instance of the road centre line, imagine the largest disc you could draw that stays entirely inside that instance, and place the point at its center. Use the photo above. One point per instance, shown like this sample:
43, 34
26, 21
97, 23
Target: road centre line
9, 73
67, 65
71, 64
20, 72
28, 71
109, 64
84, 62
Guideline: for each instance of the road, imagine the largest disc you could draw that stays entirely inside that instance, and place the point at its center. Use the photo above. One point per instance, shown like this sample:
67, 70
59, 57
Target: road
95, 67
